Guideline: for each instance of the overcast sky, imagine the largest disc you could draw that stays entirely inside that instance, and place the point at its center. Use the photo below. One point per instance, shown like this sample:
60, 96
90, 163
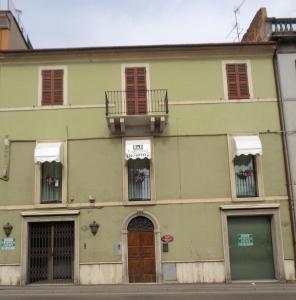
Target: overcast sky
82, 23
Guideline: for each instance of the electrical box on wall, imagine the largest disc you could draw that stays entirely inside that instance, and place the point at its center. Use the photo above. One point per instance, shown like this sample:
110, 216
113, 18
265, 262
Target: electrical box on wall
117, 248
165, 247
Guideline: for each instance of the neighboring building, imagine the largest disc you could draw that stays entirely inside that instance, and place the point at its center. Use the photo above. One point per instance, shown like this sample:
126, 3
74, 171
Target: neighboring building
283, 32
12, 33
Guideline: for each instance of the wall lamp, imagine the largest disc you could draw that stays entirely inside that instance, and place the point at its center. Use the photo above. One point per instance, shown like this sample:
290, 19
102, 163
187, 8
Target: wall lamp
7, 229
94, 226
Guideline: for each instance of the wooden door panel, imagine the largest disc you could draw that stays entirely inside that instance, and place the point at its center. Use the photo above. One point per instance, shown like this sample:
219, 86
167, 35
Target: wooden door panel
141, 256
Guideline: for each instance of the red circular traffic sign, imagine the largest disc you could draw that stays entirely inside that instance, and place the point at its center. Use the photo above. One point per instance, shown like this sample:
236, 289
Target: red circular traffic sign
167, 238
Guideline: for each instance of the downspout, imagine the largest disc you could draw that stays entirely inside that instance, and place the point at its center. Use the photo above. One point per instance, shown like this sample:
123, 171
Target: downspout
5, 170
286, 156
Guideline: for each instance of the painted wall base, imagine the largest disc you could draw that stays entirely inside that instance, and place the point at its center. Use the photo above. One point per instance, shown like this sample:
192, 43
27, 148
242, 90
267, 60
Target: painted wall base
200, 272
110, 273
10, 275
289, 269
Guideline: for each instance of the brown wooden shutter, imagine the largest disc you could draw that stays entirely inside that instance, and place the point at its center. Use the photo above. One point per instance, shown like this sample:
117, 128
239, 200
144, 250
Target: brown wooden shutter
52, 87
58, 90
237, 81
136, 91
46, 87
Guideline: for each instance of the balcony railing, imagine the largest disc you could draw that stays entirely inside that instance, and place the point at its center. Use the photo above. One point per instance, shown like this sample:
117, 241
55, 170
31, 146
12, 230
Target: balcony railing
136, 102
283, 25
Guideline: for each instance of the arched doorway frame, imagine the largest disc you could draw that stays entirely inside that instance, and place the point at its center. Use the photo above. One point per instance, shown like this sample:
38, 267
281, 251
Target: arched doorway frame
124, 232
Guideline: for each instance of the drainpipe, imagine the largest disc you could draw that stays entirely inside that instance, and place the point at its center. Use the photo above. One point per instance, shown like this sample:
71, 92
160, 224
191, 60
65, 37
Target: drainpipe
5, 171
286, 156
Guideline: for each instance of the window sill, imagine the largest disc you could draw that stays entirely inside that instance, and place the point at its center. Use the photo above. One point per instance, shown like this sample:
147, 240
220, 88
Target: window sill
139, 202
50, 205
248, 199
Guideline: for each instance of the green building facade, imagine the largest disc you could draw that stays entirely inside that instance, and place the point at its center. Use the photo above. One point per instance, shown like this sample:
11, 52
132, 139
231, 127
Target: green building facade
142, 164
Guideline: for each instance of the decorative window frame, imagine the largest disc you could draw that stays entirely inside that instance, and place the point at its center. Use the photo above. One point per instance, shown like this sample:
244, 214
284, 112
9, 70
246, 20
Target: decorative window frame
250, 79
37, 195
271, 210
47, 216
123, 81
125, 173
259, 172
65, 82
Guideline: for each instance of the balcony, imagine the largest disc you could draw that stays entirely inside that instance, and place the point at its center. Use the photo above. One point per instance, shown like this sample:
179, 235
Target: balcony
136, 109
282, 27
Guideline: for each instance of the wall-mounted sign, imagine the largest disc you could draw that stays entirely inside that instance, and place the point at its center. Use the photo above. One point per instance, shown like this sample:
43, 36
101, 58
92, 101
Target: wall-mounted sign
245, 240
167, 238
8, 244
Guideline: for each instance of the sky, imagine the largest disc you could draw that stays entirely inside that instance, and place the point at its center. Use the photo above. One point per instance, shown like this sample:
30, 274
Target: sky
87, 23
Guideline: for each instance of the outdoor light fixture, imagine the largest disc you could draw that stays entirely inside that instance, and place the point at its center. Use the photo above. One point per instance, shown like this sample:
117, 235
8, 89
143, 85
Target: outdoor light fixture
94, 226
7, 229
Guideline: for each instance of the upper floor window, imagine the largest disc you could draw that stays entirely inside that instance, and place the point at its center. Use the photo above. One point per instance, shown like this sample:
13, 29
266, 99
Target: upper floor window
237, 81
52, 87
136, 90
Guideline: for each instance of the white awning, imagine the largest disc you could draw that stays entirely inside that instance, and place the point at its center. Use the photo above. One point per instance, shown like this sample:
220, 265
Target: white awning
48, 152
248, 144
137, 149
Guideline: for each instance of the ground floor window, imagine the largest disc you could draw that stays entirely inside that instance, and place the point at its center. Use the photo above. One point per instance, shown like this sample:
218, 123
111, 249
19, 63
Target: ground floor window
245, 175
51, 182
139, 179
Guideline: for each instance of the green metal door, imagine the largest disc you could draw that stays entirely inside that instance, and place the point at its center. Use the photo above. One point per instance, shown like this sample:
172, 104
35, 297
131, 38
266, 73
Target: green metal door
250, 248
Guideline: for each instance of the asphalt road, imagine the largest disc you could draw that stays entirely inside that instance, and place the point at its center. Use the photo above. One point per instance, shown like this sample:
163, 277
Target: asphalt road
274, 291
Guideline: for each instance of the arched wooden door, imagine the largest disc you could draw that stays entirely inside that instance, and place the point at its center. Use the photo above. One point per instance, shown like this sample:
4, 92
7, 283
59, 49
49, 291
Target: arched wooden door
141, 250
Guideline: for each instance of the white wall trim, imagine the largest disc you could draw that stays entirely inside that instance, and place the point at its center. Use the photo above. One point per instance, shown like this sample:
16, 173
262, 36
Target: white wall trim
141, 204
50, 213
249, 72
171, 102
249, 206
51, 107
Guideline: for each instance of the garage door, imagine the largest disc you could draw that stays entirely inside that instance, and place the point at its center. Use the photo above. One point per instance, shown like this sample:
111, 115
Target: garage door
250, 248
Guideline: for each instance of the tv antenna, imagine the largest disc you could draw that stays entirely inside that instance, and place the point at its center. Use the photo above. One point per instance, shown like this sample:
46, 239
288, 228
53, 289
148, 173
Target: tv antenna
236, 26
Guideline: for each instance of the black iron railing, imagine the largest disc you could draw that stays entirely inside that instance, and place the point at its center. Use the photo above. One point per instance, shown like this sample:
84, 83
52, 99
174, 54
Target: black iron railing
283, 25
136, 102
245, 185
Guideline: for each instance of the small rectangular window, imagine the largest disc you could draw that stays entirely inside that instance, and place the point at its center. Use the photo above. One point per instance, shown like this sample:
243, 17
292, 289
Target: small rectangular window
237, 81
138, 179
51, 182
245, 176
52, 87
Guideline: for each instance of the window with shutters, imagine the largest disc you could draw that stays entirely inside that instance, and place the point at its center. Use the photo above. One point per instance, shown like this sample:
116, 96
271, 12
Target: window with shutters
136, 91
237, 81
52, 85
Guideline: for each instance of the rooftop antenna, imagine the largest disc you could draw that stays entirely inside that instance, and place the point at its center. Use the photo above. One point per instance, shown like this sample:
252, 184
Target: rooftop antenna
236, 26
